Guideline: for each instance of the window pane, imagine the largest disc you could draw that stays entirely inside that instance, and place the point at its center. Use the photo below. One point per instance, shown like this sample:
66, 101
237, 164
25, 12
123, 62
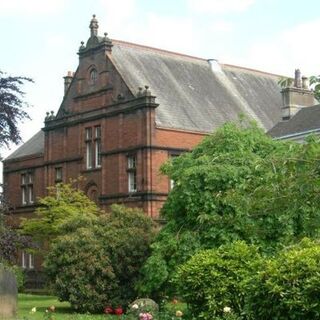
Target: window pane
132, 181
23, 260
93, 76
24, 194
89, 154
30, 178
31, 261
58, 174
88, 133
98, 153
97, 132
23, 179
30, 194
131, 162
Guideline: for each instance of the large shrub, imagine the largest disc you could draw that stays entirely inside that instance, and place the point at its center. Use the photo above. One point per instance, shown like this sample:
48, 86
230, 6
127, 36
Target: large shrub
288, 286
237, 184
215, 279
98, 265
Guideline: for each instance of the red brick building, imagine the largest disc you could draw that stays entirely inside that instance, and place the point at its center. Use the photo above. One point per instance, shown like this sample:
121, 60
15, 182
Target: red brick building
127, 109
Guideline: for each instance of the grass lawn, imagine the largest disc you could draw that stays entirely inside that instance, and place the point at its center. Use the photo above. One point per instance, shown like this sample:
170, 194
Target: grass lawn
63, 311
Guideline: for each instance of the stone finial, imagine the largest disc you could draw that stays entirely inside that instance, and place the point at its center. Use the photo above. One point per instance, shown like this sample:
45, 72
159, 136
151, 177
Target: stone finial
297, 78
47, 116
82, 47
305, 84
147, 92
139, 93
94, 26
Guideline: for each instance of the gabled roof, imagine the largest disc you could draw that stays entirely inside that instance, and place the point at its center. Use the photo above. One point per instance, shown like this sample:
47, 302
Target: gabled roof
305, 121
33, 146
195, 94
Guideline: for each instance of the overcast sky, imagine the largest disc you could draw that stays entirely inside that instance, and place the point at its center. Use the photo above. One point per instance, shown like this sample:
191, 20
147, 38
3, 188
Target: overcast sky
40, 39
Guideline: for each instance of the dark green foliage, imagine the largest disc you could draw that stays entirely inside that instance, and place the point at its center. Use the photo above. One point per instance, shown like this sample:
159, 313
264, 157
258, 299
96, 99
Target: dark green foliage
12, 108
98, 265
214, 279
238, 184
315, 82
288, 286
82, 273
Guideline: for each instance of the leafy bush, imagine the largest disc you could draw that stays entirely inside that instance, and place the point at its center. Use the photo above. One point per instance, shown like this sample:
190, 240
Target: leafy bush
97, 265
288, 286
214, 281
237, 184
168, 247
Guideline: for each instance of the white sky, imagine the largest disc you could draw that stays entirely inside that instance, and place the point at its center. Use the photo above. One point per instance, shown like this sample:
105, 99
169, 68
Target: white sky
40, 39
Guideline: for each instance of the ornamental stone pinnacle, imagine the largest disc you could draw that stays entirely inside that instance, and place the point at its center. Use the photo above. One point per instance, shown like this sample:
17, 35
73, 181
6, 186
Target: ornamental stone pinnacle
94, 26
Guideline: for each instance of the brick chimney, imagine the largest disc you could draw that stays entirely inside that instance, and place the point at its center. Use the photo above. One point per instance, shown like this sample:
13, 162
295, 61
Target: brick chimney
296, 97
67, 81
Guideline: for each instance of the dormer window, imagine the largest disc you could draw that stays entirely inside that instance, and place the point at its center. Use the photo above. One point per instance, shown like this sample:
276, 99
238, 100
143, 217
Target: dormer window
93, 76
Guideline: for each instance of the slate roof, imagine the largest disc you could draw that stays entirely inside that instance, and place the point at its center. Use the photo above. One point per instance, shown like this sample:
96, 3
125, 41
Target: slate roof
34, 145
195, 94
306, 120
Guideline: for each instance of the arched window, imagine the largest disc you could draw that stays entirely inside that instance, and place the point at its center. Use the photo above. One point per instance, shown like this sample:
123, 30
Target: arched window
93, 76
92, 192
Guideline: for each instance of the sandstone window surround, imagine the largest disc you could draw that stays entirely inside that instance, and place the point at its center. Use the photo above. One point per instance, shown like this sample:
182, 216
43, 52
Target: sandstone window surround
132, 173
27, 196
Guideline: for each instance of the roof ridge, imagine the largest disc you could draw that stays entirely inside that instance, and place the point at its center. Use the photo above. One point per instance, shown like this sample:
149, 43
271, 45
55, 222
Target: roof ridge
149, 48
251, 69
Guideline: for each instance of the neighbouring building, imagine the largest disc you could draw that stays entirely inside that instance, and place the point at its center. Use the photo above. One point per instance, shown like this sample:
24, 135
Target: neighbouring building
127, 109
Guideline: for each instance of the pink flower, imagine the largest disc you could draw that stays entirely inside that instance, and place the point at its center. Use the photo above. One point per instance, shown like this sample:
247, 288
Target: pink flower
108, 310
145, 316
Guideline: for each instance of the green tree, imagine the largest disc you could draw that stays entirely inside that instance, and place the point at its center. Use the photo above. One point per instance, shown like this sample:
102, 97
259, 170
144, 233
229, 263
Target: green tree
98, 264
63, 205
12, 108
12, 111
315, 82
238, 184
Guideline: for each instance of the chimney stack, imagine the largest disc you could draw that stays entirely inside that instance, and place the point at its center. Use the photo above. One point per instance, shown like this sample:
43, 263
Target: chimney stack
297, 97
297, 78
67, 81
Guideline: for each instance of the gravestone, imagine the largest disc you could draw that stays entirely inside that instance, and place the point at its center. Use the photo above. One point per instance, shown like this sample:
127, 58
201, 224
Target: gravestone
8, 294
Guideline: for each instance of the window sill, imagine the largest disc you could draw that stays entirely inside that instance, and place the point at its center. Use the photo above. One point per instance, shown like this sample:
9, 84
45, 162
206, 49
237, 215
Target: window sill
91, 170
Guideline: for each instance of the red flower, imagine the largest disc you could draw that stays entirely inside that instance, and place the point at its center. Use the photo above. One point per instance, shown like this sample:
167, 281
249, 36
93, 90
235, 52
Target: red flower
118, 311
108, 310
